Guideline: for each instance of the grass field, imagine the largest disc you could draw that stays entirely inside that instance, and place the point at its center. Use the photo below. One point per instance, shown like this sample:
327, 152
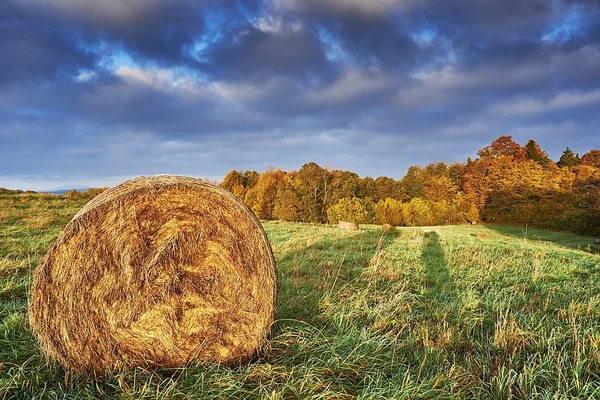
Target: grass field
434, 312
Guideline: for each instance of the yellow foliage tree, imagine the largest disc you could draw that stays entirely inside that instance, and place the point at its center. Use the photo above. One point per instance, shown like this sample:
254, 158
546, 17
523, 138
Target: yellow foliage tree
353, 210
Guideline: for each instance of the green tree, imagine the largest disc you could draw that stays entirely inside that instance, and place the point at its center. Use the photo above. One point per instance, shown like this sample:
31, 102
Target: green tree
412, 183
534, 152
568, 159
250, 178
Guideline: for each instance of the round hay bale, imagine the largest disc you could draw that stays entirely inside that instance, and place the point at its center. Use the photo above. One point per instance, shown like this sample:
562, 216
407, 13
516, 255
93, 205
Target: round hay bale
157, 271
387, 228
350, 226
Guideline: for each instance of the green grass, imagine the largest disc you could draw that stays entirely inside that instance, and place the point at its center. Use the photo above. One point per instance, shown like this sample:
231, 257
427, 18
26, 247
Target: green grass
433, 312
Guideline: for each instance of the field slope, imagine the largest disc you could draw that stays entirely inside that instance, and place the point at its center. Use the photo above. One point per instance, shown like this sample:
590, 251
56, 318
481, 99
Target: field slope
434, 312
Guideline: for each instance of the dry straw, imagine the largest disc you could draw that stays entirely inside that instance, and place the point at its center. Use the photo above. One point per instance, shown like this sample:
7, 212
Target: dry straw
157, 271
351, 226
387, 228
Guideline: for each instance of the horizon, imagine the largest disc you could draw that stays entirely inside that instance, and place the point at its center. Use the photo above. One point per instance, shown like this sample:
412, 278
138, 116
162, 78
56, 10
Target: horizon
41, 185
95, 93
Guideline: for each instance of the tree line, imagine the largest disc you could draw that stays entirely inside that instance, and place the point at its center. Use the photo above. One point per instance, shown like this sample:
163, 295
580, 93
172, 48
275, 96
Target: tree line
505, 183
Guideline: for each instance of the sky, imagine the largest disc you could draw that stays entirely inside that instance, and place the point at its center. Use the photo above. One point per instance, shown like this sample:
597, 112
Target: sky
96, 92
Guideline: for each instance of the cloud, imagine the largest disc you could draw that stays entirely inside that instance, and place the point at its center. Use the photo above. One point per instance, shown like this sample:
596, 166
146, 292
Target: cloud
259, 51
117, 88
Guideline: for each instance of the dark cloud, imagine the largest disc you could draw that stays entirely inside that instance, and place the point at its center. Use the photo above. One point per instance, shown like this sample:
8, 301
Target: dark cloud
112, 88
31, 51
249, 52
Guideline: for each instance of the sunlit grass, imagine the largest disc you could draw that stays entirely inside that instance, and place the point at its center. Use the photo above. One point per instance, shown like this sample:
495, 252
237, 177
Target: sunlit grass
434, 312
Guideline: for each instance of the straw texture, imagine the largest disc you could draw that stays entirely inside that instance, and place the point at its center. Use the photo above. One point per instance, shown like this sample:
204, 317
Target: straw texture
157, 271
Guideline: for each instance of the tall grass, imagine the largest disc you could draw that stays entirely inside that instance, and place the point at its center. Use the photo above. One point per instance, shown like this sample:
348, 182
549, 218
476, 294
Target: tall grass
434, 312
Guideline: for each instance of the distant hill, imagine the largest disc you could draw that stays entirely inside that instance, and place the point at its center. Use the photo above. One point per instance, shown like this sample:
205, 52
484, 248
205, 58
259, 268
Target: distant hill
64, 189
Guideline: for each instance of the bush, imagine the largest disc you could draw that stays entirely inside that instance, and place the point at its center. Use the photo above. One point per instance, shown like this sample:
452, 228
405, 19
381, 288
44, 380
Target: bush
417, 213
389, 211
353, 210
87, 195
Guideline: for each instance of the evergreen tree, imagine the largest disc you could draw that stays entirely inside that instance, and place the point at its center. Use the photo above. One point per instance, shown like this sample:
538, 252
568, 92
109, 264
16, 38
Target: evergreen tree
568, 159
534, 152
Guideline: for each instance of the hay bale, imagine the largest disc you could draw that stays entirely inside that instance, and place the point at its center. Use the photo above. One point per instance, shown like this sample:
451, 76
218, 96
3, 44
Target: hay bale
481, 236
157, 271
596, 241
387, 228
348, 225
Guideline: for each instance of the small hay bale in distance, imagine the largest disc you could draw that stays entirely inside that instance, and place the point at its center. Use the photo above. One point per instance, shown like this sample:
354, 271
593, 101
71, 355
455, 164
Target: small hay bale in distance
596, 241
481, 236
157, 271
350, 226
387, 228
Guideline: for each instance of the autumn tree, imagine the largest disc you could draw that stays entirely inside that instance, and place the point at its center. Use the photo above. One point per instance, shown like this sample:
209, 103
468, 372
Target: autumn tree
417, 213
506, 183
388, 188
591, 158
439, 188
344, 184
503, 146
456, 172
370, 189
313, 184
389, 211
288, 205
263, 195
235, 183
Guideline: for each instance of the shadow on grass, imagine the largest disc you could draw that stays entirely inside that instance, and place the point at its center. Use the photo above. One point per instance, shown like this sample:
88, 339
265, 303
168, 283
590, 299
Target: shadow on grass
563, 239
438, 282
305, 275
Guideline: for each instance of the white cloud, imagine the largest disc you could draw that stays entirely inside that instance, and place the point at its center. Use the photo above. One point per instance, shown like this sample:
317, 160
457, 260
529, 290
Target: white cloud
560, 101
373, 8
118, 11
353, 84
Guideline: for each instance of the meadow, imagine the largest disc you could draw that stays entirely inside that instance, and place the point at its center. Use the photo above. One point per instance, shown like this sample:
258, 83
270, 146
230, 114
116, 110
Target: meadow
482, 311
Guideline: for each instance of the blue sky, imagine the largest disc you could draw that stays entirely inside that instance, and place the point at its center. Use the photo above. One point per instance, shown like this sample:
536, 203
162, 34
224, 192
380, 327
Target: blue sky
95, 92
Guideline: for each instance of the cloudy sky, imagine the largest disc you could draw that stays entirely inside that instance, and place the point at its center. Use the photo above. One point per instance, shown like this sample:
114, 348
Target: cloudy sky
94, 92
